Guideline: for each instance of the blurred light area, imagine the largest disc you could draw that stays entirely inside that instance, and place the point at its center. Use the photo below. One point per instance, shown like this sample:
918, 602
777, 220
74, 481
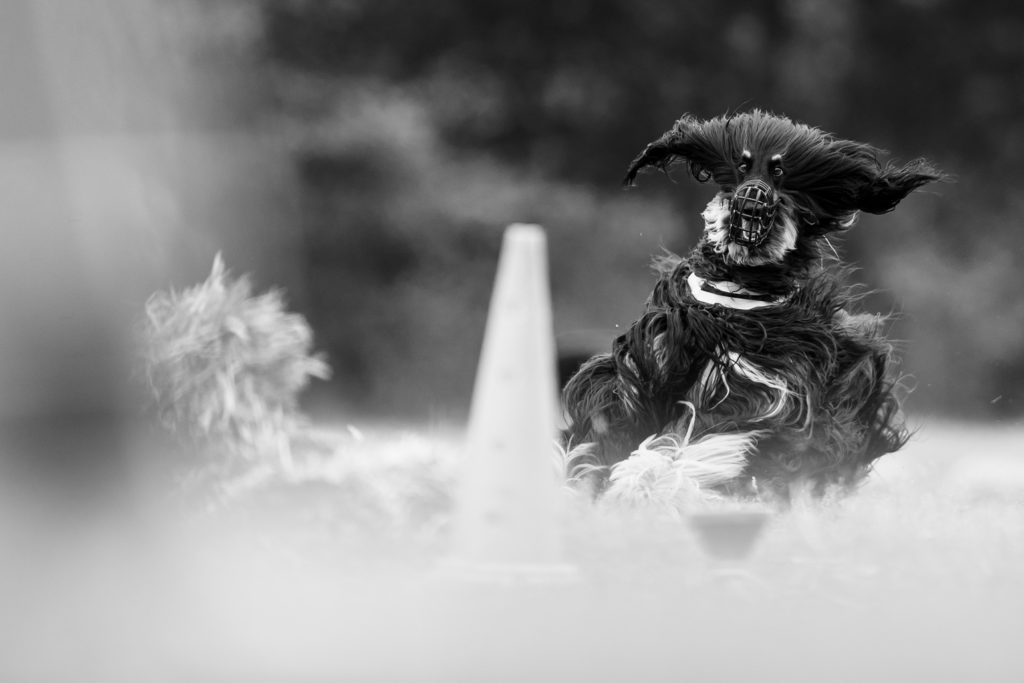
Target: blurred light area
128, 158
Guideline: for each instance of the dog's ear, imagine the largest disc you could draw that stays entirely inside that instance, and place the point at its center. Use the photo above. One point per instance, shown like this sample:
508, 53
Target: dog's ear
655, 154
891, 184
661, 153
705, 146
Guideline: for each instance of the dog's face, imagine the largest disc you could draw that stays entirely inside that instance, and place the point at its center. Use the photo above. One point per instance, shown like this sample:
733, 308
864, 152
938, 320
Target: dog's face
780, 182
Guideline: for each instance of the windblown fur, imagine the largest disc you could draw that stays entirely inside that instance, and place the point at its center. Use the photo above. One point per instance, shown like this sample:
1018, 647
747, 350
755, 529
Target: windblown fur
813, 379
674, 472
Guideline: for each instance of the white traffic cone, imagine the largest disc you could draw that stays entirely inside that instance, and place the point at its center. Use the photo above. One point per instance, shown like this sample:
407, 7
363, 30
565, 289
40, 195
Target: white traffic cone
507, 516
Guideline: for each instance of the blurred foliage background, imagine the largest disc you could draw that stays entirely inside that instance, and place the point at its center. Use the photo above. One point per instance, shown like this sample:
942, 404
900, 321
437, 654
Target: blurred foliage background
365, 155
421, 129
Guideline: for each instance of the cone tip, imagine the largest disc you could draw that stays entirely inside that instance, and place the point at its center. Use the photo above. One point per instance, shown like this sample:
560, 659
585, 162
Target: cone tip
525, 233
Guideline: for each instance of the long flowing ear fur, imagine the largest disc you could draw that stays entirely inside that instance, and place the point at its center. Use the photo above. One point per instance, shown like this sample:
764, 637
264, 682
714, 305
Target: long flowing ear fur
664, 151
836, 177
892, 184
705, 146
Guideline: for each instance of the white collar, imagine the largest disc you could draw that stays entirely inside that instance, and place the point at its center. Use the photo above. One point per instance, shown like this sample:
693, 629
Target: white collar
701, 294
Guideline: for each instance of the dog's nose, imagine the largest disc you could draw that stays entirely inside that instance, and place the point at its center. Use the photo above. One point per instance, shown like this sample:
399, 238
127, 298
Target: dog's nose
752, 212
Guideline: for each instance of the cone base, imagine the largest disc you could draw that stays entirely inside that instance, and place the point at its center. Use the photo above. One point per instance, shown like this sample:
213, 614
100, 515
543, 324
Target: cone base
728, 535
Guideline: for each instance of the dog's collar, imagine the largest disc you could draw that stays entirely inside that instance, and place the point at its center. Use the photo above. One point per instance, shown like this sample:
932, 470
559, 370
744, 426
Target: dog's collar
729, 294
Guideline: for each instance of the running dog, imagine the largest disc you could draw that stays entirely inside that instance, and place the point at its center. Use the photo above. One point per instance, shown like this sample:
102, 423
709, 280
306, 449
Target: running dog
754, 333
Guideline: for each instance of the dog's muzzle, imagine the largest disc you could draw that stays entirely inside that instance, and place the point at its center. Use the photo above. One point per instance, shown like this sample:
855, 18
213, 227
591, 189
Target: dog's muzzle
752, 213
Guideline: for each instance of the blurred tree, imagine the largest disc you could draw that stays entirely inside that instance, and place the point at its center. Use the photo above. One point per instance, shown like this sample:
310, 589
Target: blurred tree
566, 93
537, 82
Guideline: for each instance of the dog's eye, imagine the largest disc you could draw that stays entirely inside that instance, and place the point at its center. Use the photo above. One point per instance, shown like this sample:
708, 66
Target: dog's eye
778, 172
700, 173
742, 168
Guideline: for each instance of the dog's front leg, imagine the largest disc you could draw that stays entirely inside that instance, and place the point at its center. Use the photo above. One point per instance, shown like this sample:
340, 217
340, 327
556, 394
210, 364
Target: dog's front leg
602, 413
618, 399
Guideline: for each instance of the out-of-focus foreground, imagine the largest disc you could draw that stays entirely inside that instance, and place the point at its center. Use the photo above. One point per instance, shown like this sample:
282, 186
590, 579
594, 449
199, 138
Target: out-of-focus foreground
330, 574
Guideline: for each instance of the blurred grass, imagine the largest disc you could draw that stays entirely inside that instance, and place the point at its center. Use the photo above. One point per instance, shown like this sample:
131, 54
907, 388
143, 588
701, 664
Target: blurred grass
922, 515
327, 571
224, 368
913, 578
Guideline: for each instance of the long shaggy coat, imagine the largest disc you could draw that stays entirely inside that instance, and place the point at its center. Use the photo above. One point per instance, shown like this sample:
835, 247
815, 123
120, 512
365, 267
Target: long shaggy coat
754, 332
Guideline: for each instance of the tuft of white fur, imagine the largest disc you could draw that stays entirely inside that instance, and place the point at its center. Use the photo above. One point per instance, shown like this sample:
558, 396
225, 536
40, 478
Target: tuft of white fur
576, 464
670, 472
716, 220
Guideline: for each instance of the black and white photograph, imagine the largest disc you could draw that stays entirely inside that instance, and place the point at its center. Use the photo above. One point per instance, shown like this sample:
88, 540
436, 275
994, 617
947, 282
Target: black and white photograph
484, 341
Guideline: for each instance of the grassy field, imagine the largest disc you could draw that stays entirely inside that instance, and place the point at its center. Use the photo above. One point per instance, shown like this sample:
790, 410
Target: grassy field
332, 574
